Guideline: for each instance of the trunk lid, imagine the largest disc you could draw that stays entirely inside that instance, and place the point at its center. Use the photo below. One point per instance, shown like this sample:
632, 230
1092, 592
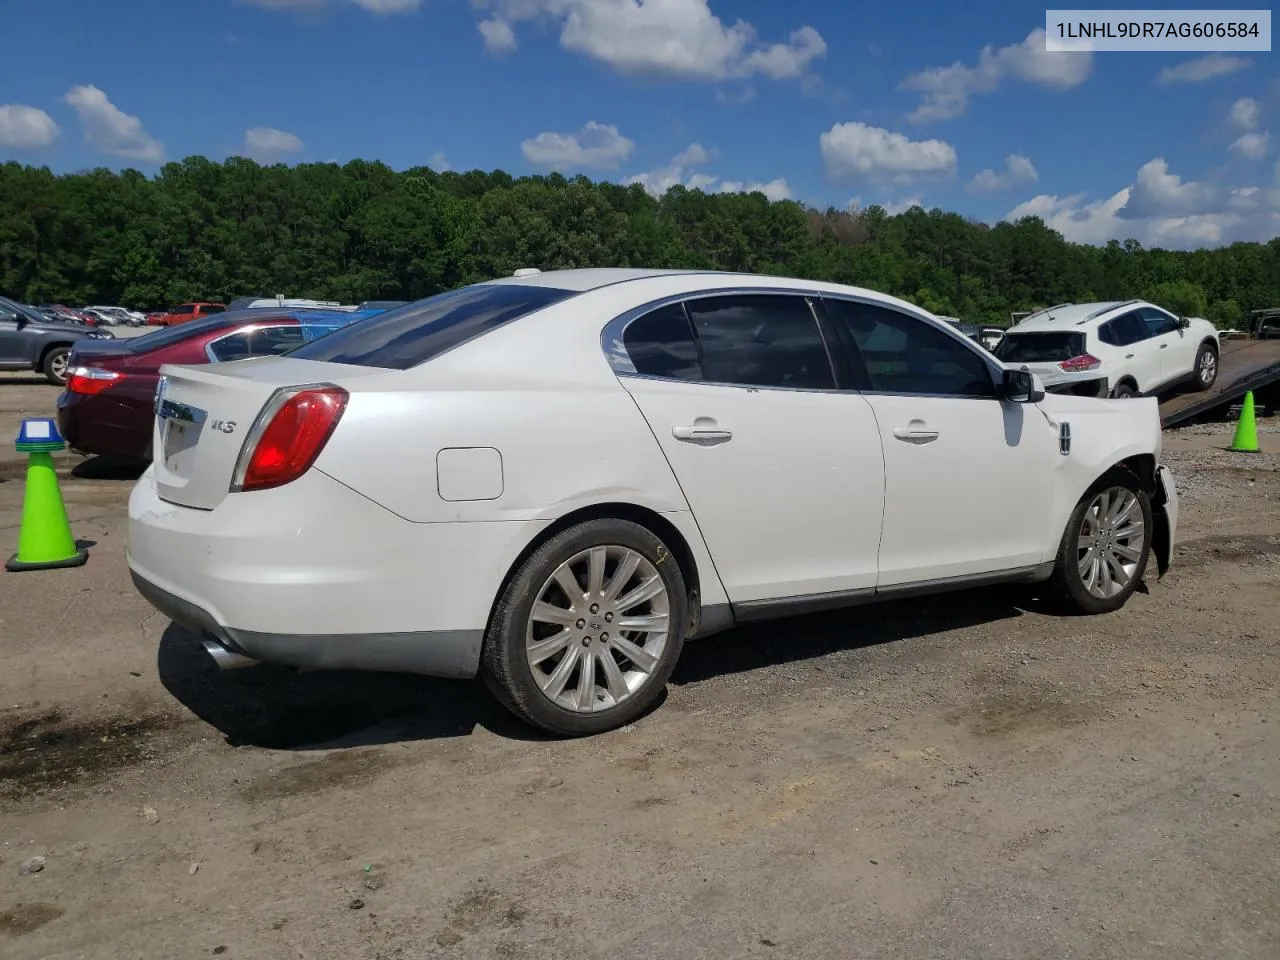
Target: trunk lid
205, 413
88, 353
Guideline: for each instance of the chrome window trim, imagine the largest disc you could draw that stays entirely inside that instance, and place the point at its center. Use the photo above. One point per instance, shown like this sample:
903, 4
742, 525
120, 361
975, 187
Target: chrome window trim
615, 352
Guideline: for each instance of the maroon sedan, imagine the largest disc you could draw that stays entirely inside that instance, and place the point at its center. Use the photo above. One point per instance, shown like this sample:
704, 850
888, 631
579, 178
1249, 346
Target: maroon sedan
109, 401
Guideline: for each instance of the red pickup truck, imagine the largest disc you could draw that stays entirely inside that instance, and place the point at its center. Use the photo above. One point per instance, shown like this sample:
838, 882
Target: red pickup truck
184, 312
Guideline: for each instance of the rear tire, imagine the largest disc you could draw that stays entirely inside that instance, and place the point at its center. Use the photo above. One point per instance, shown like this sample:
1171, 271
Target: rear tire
54, 366
1206, 369
1124, 391
572, 666
1105, 547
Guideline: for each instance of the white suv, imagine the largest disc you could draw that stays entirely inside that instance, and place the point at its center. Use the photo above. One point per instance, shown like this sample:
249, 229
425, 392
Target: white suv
1124, 349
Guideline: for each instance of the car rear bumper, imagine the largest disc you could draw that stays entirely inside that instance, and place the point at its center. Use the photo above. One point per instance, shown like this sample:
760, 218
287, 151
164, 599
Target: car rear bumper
104, 426
314, 575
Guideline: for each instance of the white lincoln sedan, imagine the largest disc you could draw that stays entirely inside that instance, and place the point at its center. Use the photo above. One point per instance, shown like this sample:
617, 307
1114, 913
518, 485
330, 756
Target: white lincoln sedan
553, 480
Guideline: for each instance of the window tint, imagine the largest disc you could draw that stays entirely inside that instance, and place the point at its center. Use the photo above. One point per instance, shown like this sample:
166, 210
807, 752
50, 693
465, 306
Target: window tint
905, 355
761, 341
1128, 329
403, 338
1049, 347
661, 344
273, 341
1158, 322
235, 346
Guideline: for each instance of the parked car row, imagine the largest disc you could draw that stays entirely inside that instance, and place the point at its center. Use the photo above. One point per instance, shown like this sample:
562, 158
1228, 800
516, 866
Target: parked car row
31, 339
108, 405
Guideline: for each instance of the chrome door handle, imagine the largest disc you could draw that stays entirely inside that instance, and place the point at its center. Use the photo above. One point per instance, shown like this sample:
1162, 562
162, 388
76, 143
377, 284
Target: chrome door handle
701, 434
915, 434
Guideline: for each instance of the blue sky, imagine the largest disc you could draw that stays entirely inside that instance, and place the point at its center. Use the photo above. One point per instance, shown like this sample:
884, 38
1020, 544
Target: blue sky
817, 100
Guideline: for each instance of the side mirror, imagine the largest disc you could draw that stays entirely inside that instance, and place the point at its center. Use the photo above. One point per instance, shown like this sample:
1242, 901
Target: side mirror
1183, 323
1022, 386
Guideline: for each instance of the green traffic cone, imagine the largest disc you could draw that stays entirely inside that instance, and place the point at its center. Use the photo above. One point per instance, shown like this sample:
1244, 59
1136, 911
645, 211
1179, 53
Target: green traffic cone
1246, 439
44, 539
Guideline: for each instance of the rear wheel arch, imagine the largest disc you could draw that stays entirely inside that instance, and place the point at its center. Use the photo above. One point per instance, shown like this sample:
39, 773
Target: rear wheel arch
655, 522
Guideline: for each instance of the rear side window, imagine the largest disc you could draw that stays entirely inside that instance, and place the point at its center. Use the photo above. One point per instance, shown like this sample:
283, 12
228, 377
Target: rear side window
184, 309
403, 338
661, 344
212, 308
760, 340
1049, 347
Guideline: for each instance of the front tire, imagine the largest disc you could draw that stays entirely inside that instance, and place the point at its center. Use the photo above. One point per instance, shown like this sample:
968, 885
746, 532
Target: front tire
54, 367
588, 629
1106, 546
1206, 367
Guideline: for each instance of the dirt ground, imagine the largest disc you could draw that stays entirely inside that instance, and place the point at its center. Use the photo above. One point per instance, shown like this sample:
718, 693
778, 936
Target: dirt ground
959, 777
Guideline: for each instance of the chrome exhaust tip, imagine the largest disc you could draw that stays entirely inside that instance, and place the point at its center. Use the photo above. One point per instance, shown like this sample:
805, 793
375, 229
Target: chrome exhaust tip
227, 659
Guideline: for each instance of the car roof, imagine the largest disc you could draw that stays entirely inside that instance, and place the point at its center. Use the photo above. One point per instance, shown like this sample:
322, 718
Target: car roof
586, 280
1068, 316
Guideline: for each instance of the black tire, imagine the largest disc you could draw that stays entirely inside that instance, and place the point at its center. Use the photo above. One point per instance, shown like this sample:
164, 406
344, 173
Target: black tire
1205, 379
56, 359
504, 662
1124, 390
1067, 584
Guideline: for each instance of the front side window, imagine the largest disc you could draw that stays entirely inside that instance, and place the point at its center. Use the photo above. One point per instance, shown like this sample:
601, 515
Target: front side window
1158, 322
184, 309
761, 340
903, 354
403, 338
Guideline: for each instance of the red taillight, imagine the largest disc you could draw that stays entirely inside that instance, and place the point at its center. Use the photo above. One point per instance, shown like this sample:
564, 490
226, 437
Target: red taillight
91, 380
298, 423
1083, 362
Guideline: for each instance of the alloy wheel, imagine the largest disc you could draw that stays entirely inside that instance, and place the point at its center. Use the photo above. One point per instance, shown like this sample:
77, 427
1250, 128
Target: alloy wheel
1110, 543
598, 628
58, 365
1208, 366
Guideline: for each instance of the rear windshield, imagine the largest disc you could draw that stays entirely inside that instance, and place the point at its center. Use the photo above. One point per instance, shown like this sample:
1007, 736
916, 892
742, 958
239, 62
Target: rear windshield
1040, 347
405, 337
166, 336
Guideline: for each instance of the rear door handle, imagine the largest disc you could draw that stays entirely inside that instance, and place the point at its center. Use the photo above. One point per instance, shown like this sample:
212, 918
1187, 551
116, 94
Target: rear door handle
1164, 346
915, 433
1128, 356
700, 434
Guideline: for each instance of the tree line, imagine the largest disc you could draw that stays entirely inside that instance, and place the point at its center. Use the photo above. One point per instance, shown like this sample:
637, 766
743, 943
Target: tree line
203, 230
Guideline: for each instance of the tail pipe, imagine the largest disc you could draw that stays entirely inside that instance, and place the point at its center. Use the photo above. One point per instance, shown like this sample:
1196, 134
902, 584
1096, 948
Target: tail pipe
226, 658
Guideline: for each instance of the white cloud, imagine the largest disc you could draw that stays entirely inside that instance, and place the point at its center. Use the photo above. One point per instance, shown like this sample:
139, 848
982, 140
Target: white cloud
439, 162
26, 128
680, 172
373, 6
947, 89
856, 151
1209, 67
110, 129
1161, 209
693, 155
1017, 171
1246, 113
269, 145
498, 36
597, 145
891, 207
678, 38
1253, 146
775, 189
